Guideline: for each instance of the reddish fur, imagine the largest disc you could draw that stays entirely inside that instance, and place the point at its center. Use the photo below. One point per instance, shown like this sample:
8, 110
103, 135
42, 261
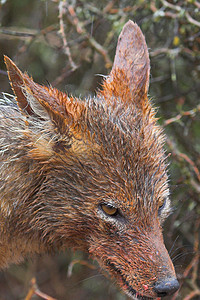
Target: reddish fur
62, 157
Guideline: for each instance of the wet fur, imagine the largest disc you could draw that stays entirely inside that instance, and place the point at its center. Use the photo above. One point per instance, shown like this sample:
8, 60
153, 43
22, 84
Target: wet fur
61, 158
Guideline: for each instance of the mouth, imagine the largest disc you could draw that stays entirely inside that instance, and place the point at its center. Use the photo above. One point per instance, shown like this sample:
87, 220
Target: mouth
125, 284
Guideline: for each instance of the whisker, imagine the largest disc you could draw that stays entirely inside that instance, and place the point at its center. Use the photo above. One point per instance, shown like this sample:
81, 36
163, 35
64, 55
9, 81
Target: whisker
180, 255
85, 279
181, 247
170, 251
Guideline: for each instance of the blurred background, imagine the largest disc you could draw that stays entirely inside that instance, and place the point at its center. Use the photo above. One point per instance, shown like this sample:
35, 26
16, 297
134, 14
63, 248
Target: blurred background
68, 44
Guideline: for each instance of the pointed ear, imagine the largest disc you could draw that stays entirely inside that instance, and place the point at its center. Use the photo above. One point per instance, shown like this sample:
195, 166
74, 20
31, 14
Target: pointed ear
43, 102
129, 77
16, 78
29, 95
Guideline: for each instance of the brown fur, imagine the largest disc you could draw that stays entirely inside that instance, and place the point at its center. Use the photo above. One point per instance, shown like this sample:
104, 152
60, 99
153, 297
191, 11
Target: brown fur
62, 158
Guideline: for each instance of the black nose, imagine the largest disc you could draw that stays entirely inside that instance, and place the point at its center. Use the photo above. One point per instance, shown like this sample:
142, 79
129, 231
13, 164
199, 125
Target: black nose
166, 287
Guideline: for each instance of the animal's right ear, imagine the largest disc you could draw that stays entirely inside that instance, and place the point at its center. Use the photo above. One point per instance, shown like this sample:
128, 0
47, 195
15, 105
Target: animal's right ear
129, 77
22, 85
39, 101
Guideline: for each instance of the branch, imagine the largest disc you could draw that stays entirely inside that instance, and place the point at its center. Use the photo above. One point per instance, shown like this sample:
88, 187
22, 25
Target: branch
78, 261
172, 6
35, 291
31, 33
183, 156
191, 20
81, 30
62, 11
190, 113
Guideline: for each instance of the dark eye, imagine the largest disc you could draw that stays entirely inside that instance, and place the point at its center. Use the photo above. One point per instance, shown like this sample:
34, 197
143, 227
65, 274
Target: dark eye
109, 210
162, 205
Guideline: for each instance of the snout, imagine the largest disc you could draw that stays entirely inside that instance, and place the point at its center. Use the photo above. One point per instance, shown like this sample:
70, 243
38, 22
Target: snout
166, 287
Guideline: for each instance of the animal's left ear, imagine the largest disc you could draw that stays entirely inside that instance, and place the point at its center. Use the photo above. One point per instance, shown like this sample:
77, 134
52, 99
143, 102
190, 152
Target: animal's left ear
129, 77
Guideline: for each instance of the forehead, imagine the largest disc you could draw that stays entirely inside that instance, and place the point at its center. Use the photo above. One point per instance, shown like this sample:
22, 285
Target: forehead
137, 191
130, 160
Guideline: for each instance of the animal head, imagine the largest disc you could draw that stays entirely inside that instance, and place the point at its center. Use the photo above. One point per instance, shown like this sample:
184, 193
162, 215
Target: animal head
104, 182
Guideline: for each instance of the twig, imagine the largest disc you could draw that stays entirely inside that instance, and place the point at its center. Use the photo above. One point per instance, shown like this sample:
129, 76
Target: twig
183, 156
191, 20
65, 72
78, 261
81, 30
35, 291
27, 33
169, 14
190, 113
192, 295
197, 4
172, 6
101, 50
196, 250
31, 33
194, 265
195, 185
3, 72
62, 10
164, 50
190, 266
